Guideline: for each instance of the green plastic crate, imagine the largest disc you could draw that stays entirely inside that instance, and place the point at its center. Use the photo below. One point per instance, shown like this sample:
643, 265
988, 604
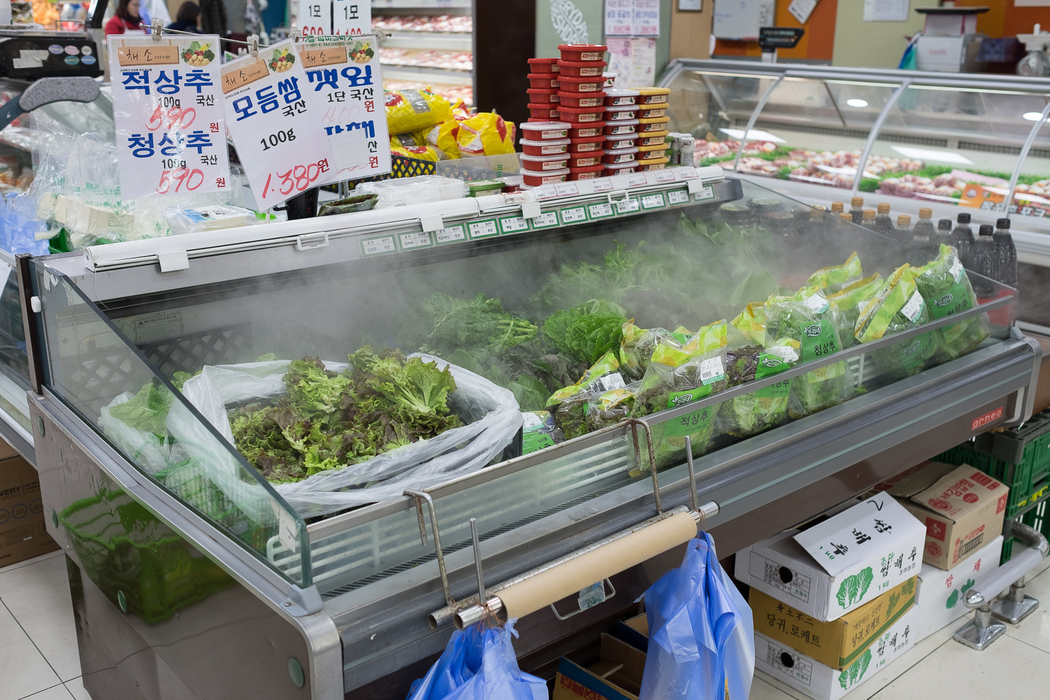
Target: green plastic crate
1037, 518
1018, 457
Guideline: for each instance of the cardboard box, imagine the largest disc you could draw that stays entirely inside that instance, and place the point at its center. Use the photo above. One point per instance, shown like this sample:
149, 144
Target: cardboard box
840, 564
915, 480
962, 511
22, 532
618, 676
635, 631
837, 643
6, 451
939, 598
816, 680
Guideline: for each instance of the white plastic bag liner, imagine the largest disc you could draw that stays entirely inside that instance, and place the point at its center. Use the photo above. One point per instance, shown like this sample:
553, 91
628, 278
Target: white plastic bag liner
493, 415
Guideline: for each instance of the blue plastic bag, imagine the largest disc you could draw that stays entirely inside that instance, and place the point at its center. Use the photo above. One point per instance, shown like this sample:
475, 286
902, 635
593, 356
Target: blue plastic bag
701, 633
479, 664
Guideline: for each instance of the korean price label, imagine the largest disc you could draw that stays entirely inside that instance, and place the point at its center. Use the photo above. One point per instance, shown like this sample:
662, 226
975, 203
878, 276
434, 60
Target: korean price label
345, 77
601, 184
704, 193
665, 176
546, 220
452, 234
168, 109
565, 189
380, 245
275, 122
483, 229
574, 215
636, 179
653, 201
420, 239
513, 224
627, 206
351, 17
678, 197
600, 211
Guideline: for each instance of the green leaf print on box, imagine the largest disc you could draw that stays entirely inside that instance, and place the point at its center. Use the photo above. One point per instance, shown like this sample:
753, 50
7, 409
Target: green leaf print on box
853, 675
854, 587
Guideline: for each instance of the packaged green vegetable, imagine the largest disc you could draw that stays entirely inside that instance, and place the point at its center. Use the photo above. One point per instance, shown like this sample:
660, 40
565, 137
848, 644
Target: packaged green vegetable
848, 303
570, 402
751, 322
611, 407
763, 408
586, 331
836, 277
898, 307
538, 431
637, 347
810, 322
945, 286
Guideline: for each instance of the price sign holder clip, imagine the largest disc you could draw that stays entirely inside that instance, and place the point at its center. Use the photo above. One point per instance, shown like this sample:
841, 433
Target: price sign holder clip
253, 44
295, 33
156, 29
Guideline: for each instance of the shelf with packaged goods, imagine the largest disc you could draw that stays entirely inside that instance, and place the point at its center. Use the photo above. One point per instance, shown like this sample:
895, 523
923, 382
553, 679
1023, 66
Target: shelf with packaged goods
446, 41
426, 74
431, 5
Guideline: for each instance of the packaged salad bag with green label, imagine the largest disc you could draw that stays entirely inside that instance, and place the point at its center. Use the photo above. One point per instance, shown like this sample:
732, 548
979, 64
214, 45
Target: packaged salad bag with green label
898, 307
679, 375
637, 347
809, 320
849, 302
945, 287
763, 408
832, 279
611, 407
570, 403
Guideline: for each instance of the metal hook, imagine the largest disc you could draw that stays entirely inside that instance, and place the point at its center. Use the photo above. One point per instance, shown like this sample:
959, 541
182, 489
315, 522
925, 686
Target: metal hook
421, 496
253, 44
635, 422
477, 559
156, 28
694, 499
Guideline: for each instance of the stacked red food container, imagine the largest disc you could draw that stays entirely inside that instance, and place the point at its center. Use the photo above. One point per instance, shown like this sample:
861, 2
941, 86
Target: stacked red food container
581, 103
621, 131
544, 138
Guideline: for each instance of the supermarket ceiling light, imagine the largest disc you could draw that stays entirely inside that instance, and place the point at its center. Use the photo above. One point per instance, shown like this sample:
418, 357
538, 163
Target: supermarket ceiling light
857, 102
1033, 116
753, 135
930, 154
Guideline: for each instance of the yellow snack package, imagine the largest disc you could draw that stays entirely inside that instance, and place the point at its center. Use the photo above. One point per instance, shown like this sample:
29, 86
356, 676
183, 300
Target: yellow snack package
413, 110
485, 134
418, 152
443, 136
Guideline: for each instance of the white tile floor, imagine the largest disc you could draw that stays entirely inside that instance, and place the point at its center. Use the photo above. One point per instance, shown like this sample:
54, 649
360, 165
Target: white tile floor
39, 660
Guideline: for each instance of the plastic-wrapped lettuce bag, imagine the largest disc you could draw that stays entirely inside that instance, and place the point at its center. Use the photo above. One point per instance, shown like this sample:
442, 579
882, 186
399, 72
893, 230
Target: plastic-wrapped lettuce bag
849, 302
834, 278
679, 375
946, 289
898, 307
570, 403
763, 408
809, 320
751, 323
637, 347
611, 407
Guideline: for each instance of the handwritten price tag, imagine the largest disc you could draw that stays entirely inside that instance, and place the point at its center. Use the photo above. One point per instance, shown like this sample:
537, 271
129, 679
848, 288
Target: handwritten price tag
275, 122
168, 110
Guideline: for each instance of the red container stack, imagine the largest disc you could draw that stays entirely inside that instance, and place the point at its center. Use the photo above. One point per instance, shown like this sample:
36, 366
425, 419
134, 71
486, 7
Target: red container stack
546, 157
621, 131
582, 105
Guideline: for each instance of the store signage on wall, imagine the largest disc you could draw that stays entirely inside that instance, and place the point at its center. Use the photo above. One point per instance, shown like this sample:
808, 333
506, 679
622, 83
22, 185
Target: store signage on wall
632, 18
632, 60
168, 113
690, 5
274, 119
886, 10
346, 77
568, 22
802, 9
335, 17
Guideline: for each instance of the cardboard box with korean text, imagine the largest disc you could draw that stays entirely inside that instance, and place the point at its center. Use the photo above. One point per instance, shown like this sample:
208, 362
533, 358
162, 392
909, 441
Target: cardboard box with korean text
837, 643
962, 511
22, 531
617, 676
939, 599
840, 564
915, 480
814, 679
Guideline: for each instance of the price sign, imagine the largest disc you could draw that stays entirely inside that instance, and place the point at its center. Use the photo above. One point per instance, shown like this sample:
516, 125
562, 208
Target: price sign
653, 201
345, 77
420, 239
574, 215
351, 17
678, 197
275, 122
600, 211
627, 206
601, 184
513, 224
379, 245
636, 179
565, 189
704, 193
483, 229
168, 110
452, 234
315, 17
546, 220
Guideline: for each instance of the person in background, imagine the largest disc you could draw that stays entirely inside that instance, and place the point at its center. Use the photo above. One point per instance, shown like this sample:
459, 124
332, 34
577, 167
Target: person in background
186, 18
125, 19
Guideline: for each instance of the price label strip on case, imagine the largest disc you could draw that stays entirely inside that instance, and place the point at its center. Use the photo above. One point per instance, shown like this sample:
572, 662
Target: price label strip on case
483, 229
600, 211
704, 193
573, 215
653, 201
410, 241
378, 245
546, 220
677, 197
452, 234
513, 224
628, 206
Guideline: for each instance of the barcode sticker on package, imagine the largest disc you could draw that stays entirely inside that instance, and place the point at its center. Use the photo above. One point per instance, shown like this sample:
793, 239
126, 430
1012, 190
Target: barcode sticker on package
712, 370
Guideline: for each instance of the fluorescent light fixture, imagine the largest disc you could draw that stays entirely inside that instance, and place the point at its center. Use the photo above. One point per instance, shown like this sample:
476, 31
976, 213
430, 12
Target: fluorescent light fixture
1033, 116
930, 154
857, 102
753, 135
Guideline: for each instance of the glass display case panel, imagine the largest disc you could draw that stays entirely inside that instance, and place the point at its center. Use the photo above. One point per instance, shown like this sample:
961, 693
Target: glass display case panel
92, 368
1032, 194
950, 145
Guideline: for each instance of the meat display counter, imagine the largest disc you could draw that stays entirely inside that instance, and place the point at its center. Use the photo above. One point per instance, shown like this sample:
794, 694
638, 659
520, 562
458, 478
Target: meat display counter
193, 576
950, 142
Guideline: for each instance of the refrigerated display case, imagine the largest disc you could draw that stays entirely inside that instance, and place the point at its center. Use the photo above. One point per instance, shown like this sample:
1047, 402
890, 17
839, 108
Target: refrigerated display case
953, 143
193, 576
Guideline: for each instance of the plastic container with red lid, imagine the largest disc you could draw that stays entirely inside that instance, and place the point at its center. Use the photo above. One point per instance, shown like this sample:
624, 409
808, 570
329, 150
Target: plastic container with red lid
653, 95
550, 177
620, 128
653, 163
653, 138
624, 155
654, 151
543, 164
580, 116
543, 112
651, 111
621, 96
620, 113
582, 99
587, 144
543, 65
544, 81
585, 160
585, 131
582, 69
544, 131
583, 52
581, 84
550, 147
588, 172
617, 143
619, 168
646, 126
540, 97
610, 79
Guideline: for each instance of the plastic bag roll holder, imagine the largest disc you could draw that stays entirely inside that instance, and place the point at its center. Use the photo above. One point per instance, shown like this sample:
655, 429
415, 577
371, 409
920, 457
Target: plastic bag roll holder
487, 603
988, 623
